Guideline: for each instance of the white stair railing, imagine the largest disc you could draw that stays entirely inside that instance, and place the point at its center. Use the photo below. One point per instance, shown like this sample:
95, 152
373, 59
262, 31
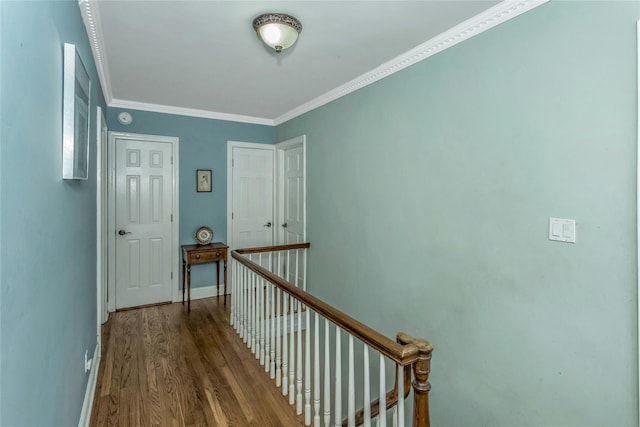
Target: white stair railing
289, 331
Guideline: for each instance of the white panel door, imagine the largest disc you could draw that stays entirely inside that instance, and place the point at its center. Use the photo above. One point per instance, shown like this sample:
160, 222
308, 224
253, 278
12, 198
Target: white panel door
293, 197
291, 202
144, 191
252, 197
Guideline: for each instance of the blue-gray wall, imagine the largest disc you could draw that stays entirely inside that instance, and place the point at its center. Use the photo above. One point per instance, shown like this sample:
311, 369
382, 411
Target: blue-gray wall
430, 193
48, 226
203, 145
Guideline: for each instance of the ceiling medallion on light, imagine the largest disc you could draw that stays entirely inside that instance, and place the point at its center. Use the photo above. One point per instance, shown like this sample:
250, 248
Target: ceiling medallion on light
277, 30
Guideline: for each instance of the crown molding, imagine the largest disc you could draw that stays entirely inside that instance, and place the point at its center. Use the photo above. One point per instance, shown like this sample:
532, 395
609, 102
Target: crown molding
496, 15
168, 109
91, 17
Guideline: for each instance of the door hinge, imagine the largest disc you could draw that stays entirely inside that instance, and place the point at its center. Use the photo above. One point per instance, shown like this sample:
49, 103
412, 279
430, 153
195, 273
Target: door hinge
172, 275
171, 159
233, 162
171, 217
231, 215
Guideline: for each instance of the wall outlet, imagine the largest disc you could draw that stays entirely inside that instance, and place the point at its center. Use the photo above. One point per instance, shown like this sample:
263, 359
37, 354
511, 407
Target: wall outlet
87, 361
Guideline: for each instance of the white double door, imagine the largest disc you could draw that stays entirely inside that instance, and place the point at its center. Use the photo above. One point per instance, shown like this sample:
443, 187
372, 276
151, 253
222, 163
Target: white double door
267, 193
143, 229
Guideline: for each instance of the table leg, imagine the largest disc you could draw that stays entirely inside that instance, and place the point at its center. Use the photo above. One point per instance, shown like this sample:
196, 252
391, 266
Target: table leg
183, 282
188, 287
225, 281
218, 277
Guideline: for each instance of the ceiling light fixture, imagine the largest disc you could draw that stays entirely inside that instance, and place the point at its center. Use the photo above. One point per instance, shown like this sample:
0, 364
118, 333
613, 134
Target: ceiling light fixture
277, 30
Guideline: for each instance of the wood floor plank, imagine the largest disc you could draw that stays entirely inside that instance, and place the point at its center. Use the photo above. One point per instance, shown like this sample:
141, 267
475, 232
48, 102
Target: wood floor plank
163, 366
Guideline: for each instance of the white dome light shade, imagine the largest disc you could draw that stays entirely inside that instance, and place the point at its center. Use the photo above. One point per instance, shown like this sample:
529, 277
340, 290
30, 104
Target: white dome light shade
277, 30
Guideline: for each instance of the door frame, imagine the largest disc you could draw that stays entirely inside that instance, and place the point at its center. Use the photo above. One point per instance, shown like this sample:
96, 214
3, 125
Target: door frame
251, 145
638, 196
102, 177
279, 193
111, 228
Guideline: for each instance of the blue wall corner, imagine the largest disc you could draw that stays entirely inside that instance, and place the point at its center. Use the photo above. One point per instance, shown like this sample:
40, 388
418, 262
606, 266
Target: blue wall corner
430, 193
48, 226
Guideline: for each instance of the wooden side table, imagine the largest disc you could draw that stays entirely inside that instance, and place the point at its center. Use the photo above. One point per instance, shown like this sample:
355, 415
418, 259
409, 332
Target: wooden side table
203, 254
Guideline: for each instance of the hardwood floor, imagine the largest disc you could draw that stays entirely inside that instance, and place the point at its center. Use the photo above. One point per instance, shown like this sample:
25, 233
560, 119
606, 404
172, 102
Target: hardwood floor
162, 366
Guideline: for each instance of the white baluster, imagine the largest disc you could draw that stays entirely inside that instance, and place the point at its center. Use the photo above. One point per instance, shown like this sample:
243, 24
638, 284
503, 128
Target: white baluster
351, 398
272, 335
259, 322
267, 326
262, 315
367, 390
245, 275
236, 292
292, 355
283, 321
307, 370
338, 382
278, 349
395, 416
326, 404
299, 363
382, 416
285, 346
252, 320
254, 314
232, 266
316, 371
249, 308
233, 284
240, 285
401, 396
238, 297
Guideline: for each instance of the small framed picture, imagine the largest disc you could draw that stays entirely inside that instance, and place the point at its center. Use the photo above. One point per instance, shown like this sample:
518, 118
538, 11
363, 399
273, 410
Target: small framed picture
203, 180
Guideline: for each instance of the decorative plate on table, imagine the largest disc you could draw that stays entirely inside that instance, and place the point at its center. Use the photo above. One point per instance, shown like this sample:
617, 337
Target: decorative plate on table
204, 235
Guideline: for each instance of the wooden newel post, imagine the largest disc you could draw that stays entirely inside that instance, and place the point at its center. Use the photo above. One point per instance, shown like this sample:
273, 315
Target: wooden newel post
421, 386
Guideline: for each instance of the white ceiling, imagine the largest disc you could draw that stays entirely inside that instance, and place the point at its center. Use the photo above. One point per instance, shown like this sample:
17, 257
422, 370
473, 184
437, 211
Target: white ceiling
203, 57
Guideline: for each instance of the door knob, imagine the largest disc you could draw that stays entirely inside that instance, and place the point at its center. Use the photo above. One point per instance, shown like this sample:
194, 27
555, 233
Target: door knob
284, 225
268, 224
122, 232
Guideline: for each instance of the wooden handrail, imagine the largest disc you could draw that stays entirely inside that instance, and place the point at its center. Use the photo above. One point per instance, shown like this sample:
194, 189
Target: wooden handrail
402, 354
408, 352
277, 248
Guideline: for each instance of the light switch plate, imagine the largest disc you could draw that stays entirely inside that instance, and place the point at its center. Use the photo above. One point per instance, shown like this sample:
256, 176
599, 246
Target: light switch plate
562, 230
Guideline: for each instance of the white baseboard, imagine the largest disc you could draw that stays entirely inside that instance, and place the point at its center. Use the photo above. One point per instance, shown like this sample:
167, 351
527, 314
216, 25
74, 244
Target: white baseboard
87, 405
203, 292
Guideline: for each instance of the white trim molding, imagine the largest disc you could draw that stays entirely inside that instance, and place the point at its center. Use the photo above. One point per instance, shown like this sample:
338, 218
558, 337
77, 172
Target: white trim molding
638, 194
87, 404
181, 111
496, 15
90, 12
206, 292
500, 13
